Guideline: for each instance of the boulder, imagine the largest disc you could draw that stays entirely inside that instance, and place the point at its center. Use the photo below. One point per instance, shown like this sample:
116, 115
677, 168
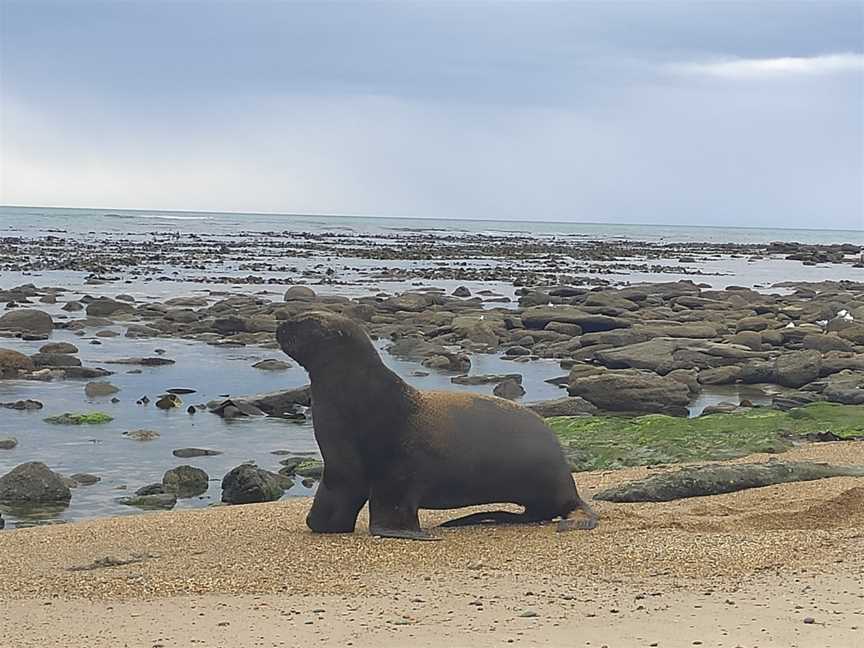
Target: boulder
798, 368
652, 354
229, 325
33, 483
106, 307
154, 501
185, 481
55, 360
85, 479
58, 347
98, 389
7, 443
539, 316
271, 364
27, 321
757, 371
845, 387
509, 389
825, 343
720, 375
300, 294
13, 362
567, 406
409, 302
572, 330
854, 333
247, 484
279, 403
632, 392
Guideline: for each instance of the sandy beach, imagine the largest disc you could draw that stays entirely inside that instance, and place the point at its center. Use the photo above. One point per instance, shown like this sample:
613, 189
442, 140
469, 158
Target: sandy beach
777, 566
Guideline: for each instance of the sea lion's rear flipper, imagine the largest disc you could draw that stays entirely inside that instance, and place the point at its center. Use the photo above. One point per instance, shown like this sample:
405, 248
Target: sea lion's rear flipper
405, 534
584, 524
494, 517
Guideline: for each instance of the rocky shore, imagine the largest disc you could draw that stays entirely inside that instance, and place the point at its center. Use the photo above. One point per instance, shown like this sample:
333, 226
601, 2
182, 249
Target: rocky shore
634, 350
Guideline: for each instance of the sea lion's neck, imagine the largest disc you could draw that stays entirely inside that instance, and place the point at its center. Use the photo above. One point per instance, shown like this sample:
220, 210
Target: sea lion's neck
356, 387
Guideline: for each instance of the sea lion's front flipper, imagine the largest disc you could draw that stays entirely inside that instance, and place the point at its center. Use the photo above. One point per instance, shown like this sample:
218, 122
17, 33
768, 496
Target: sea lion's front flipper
335, 510
393, 514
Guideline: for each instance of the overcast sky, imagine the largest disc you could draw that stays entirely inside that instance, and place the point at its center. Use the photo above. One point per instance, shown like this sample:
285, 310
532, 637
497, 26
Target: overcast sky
712, 113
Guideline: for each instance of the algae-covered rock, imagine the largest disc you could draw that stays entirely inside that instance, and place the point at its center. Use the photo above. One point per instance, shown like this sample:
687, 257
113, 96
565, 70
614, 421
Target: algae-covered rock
31, 484
185, 481
312, 468
154, 501
86, 418
699, 481
616, 441
247, 484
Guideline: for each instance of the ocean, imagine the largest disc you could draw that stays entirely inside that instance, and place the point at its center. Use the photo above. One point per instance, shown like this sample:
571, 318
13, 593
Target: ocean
107, 222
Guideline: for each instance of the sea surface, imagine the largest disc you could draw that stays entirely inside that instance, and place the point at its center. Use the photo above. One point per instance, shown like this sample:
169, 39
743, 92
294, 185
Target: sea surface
215, 372
107, 222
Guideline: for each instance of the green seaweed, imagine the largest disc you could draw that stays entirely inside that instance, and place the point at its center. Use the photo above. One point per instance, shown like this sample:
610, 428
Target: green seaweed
601, 442
86, 418
311, 468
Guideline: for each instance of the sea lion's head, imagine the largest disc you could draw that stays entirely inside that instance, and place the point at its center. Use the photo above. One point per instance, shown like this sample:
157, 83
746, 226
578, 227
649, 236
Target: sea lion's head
317, 339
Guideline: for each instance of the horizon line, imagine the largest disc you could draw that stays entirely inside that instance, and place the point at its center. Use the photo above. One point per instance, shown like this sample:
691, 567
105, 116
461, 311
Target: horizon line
436, 218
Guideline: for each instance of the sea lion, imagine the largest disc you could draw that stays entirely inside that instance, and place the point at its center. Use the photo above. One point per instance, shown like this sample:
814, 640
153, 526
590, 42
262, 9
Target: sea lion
403, 449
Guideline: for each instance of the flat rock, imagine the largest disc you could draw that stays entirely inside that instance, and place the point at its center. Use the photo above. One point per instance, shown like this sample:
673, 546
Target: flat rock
144, 362
141, 435
632, 392
97, 389
272, 365
567, 406
188, 453
714, 479
26, 405
539, 316
155, 501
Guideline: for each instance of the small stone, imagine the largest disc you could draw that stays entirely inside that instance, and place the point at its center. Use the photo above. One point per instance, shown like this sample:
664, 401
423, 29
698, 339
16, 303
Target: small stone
809, 620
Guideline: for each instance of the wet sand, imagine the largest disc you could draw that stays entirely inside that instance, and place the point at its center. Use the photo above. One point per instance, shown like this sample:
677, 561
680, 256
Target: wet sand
776, 566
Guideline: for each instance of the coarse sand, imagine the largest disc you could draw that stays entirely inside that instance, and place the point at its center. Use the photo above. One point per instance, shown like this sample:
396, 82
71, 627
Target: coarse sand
777, 566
